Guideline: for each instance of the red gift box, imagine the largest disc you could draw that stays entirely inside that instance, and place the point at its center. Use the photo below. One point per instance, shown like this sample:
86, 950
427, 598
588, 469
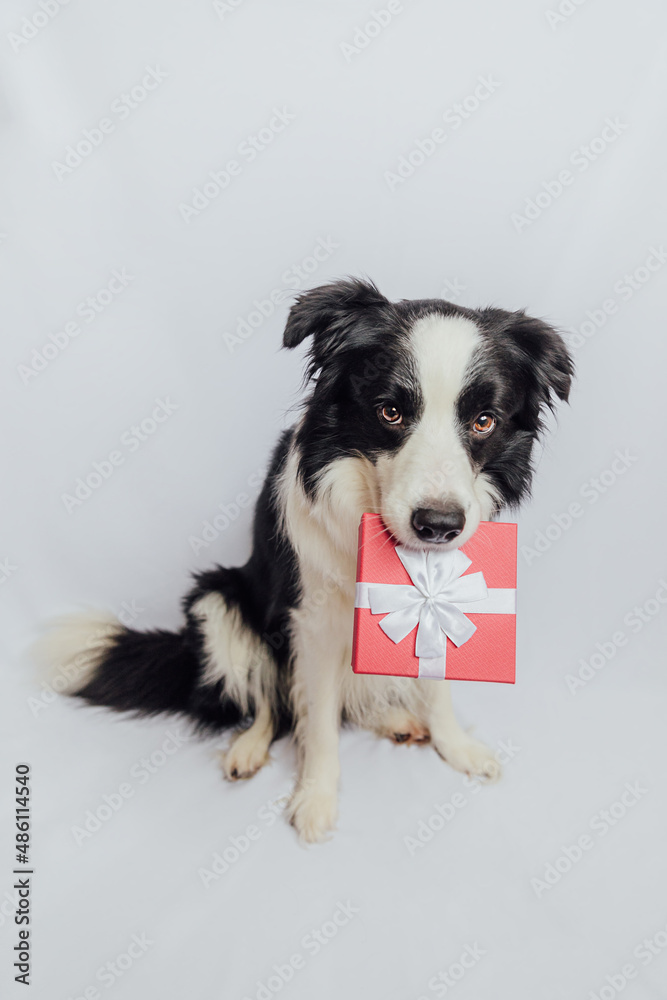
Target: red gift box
436, 614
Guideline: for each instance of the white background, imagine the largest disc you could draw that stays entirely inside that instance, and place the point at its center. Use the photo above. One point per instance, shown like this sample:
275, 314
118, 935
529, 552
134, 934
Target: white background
448, 226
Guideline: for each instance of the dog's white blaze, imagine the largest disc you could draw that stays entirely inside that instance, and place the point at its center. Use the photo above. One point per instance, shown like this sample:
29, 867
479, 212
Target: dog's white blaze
433, 466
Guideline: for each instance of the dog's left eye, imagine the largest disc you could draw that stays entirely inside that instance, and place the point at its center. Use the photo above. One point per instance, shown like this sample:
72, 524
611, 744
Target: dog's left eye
390, 414
484, 424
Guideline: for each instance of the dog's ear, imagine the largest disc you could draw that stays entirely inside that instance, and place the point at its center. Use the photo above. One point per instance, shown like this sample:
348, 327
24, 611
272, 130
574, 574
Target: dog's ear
550, 358
539, 356
330, 313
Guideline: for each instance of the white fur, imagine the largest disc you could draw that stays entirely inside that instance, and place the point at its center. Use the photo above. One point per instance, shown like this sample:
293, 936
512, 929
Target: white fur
433, 466
73, 647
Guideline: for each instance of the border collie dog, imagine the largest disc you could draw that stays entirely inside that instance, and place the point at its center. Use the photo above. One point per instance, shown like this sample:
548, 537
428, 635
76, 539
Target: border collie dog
421, 411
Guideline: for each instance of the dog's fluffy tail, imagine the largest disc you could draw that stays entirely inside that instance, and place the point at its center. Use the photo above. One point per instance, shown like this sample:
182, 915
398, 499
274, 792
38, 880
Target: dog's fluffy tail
94, 657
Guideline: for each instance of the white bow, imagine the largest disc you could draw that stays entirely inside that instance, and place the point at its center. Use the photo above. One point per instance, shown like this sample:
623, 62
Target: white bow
432, 603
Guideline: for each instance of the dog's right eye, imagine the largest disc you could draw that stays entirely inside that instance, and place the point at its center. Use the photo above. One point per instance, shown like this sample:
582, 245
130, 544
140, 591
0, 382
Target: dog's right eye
390, 414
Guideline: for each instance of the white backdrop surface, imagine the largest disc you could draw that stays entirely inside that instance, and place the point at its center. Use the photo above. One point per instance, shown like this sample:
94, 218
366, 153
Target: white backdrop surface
511, 154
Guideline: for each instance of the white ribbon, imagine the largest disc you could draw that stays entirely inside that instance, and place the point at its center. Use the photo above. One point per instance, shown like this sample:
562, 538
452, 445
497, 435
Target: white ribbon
436, 604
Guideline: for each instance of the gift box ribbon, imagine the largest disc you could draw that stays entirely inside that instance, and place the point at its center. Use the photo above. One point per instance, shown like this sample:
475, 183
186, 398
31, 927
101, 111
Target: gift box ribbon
436, 604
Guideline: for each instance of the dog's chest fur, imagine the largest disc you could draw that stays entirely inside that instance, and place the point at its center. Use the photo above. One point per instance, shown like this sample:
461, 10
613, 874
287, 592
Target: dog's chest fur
324, 536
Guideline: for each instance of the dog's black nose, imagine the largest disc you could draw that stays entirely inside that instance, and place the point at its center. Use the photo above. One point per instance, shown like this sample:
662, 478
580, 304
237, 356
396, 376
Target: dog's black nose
438, 525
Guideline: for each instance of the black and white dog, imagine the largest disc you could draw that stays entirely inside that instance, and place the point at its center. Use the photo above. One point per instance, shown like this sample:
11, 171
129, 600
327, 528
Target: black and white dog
422, 411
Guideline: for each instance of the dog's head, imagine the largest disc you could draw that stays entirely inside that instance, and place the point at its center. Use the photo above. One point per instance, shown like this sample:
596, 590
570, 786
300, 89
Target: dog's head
442, 403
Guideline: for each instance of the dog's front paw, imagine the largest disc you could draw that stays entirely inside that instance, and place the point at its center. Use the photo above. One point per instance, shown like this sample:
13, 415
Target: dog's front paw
402, 727
313, 814
470, 756
245, 756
